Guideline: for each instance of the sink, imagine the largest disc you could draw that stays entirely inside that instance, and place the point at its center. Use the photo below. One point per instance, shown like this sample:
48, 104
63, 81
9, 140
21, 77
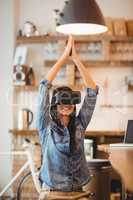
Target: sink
121, 158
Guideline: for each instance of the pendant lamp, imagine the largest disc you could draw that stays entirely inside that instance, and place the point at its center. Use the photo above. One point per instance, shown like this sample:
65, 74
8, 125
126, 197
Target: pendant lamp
81, 17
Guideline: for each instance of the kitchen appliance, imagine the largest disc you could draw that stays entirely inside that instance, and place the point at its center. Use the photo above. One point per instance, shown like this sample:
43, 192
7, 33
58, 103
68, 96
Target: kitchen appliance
25, 118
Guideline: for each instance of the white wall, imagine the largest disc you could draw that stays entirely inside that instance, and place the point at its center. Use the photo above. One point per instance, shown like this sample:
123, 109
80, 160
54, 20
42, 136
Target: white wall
117, 8
6, 54
115, 94
40, 12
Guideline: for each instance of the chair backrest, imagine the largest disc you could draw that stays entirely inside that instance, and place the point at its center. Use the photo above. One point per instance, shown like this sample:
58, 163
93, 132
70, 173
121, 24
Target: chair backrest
129, 133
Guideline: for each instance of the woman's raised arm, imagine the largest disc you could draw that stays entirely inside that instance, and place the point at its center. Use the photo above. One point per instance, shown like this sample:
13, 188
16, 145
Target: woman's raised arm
87, 108
88, 81
62, 60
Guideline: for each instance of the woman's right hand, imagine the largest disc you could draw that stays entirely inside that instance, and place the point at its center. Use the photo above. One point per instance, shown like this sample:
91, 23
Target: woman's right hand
68, 48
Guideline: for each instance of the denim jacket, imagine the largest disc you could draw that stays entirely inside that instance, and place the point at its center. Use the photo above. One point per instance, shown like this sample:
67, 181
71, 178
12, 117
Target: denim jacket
62, 170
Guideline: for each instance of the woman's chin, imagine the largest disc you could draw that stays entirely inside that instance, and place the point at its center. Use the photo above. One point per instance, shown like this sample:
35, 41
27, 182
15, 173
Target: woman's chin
66, 113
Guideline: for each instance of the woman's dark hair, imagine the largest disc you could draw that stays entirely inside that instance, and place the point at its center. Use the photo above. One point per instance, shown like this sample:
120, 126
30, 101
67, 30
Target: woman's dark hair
54, 115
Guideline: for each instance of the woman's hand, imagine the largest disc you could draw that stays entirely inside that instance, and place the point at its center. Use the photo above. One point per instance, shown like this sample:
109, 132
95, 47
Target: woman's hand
61, 61
68, 48
74, 54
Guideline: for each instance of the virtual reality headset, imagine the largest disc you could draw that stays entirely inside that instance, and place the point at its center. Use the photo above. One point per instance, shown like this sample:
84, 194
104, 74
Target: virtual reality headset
68, 97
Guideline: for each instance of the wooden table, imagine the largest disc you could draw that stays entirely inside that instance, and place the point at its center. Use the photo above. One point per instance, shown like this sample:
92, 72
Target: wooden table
121, 157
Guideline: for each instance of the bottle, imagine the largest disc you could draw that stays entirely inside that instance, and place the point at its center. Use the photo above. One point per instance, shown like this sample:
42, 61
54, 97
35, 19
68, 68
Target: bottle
30, 78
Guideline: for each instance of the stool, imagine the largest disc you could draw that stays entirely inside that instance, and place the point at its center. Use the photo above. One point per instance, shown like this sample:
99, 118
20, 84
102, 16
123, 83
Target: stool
100, 182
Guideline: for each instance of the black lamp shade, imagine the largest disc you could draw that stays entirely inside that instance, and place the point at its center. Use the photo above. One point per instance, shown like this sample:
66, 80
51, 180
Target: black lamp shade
81, 17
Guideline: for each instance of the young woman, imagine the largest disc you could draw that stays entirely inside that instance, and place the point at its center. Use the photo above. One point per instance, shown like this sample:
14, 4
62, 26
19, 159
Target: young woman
64, 167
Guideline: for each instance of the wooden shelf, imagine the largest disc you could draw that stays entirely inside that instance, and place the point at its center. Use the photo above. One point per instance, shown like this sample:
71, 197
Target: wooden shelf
109, 63
24, 132
116, 106
37, 39
55, 38
107, 59
35, 88
105, 133
88, 133
96, 63
26, 87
